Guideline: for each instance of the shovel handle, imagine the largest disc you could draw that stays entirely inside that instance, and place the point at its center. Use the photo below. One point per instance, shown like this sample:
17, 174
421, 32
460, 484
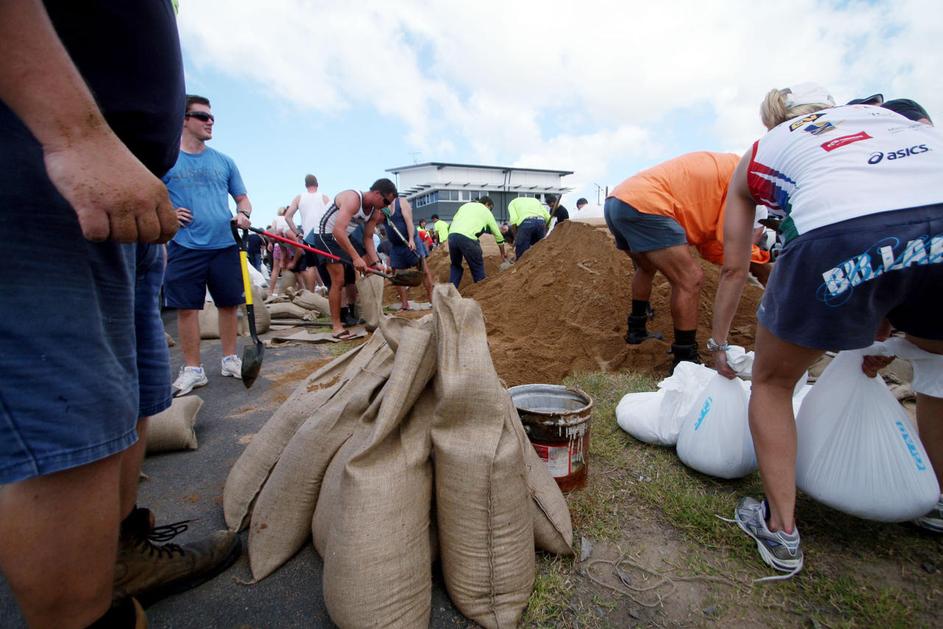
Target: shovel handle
307, 247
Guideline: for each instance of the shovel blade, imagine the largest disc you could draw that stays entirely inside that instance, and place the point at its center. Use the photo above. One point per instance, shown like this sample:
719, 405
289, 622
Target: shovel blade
407, 277
252, 363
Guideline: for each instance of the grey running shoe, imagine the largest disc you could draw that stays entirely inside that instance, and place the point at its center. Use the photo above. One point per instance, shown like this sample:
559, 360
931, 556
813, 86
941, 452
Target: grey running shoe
932, 521
778, 549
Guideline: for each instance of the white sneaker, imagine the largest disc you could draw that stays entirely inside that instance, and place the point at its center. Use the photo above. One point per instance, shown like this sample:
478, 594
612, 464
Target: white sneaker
232, 366
189, 379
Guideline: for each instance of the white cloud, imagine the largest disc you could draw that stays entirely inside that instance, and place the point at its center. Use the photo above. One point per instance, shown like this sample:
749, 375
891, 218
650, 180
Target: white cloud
503, 81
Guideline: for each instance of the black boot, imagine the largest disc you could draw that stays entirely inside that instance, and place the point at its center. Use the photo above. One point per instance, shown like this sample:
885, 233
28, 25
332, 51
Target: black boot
637, 332
683, 353
347, 316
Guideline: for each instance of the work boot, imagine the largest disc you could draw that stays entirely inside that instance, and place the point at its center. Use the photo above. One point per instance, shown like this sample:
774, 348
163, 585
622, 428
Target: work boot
682, 353
150, 572
637, 332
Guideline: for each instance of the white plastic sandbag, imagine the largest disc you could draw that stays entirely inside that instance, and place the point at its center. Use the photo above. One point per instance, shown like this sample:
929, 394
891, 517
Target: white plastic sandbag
715, 436
637, 414
655, 417
857, 450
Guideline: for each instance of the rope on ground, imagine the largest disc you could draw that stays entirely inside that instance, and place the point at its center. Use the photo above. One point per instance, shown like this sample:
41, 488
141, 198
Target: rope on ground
663, 580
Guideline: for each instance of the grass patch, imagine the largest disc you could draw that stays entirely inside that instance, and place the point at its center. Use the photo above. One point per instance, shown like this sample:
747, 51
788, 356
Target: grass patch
553, 588
857, 573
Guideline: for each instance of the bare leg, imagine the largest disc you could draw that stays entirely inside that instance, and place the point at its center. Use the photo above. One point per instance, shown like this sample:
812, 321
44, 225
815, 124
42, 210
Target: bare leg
273, 278
59, 541
643, 277
930, 415
188, 327
403, 297
307, 278
777, 367
228, 325
131, 460
685, 276
336, 271
427, 281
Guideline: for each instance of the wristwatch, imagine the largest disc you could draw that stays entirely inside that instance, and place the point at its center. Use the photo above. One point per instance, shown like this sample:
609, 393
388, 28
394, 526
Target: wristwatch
714, 346
244, 213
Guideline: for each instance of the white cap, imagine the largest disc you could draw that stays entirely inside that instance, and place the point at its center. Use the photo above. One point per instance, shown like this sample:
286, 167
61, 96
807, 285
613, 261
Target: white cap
807, 94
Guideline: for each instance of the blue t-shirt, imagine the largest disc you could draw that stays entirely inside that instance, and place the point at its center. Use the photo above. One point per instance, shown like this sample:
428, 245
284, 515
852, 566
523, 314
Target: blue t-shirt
201, 183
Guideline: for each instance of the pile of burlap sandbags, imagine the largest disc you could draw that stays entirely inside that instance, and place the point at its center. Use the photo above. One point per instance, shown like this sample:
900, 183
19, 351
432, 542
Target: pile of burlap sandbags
209, 317
298, 304
402, 450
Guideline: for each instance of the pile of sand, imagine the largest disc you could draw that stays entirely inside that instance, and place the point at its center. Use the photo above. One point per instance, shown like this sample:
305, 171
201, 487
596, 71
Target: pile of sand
563, 309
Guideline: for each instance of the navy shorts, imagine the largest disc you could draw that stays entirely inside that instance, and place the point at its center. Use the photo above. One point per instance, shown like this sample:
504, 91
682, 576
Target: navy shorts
831, 287
639, 232
402, 257
191, 271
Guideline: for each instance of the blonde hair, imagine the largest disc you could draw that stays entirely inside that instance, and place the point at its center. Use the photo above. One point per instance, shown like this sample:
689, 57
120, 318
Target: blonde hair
281, 211
773, 110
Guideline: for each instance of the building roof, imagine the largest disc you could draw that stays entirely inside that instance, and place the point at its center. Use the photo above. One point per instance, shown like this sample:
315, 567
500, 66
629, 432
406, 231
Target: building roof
400, 169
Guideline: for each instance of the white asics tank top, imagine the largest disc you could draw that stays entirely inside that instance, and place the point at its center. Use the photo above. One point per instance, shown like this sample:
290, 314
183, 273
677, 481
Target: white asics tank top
845, 162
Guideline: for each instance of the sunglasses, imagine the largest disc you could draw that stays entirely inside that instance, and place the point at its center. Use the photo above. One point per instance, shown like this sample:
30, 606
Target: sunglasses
200, 115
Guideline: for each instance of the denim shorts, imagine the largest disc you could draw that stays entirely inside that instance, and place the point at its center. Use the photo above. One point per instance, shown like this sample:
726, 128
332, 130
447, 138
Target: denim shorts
639, 232
153, 356
831, 287
191, 271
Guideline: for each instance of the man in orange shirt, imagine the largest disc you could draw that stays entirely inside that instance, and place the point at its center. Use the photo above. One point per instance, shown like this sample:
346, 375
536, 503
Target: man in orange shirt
654, 217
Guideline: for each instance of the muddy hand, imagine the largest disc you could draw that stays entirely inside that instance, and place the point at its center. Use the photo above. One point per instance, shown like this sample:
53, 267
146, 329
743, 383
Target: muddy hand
113, 194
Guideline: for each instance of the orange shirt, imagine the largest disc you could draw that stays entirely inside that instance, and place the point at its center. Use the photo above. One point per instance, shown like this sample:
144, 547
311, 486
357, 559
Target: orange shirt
691, 189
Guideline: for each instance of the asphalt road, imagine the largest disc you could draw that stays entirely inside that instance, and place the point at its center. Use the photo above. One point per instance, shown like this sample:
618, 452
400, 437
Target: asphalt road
189, 485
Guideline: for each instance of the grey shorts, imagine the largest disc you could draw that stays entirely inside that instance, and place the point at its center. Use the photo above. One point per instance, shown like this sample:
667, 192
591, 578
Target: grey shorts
640, 232
831, 287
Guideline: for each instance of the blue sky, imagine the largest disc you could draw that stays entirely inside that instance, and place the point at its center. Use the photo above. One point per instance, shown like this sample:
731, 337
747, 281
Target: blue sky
347, 90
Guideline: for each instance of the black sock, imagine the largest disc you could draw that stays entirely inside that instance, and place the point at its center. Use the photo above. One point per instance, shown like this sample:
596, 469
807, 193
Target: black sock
640, 308
685, 337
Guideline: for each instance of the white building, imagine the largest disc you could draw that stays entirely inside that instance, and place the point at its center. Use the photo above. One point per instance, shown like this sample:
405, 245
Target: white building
440, 188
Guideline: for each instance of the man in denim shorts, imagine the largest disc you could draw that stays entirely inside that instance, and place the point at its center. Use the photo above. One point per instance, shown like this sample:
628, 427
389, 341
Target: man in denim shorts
82, 351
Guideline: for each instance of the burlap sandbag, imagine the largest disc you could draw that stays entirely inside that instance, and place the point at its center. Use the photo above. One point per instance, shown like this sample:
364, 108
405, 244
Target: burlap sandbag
287, 310
281, 518
248, 474
312, 301
372, 522
287, 280
172, 429
209, 318
483, 506
553, 528
370, 299
263, 322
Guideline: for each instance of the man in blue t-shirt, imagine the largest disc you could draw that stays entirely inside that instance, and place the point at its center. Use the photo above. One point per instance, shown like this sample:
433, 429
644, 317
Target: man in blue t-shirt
203, 254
